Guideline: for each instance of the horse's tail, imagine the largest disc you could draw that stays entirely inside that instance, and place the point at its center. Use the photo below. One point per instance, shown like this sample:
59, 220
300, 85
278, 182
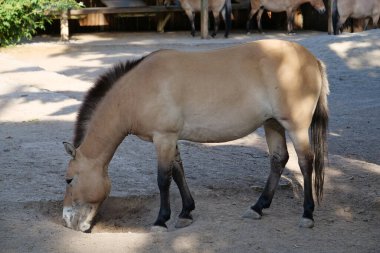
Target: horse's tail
335, 17
228, 13
318, 130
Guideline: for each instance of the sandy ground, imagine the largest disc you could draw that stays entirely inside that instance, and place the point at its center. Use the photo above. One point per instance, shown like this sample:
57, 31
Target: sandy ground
41, 87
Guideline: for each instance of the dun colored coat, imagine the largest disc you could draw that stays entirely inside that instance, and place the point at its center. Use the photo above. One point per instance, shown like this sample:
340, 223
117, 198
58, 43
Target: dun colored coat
208, 96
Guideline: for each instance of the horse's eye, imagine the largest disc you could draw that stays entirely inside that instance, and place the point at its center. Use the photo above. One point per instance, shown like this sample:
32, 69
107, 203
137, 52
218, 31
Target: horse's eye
68, 180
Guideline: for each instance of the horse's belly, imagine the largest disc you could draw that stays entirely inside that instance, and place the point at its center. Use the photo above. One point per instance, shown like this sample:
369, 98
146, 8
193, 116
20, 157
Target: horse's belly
275, 6
226, 128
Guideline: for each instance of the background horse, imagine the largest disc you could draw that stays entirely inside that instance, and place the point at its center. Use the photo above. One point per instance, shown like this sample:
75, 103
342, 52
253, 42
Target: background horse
171, 95
290, 6
215, 6
343, 9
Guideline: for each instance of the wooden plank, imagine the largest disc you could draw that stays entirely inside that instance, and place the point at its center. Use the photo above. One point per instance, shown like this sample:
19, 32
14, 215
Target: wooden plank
112, 10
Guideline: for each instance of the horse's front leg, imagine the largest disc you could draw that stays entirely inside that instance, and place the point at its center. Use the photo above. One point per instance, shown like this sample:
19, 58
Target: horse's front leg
188, 205
166, 149
275, 136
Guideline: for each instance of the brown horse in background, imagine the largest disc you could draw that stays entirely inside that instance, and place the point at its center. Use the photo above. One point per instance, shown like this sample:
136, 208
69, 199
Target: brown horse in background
343, 9
290, 6
171, 95
215, 6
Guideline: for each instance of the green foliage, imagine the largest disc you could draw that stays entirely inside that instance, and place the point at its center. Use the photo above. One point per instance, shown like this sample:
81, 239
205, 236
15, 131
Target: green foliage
22, 18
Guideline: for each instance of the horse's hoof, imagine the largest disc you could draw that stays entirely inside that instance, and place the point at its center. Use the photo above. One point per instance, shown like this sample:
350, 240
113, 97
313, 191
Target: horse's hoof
250, 214
306, 223
182, 222
158, 229
291, 33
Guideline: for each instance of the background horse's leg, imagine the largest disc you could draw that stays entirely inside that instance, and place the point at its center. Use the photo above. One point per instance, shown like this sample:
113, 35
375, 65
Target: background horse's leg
375, 21
216, 23
275, 136
166, 150
290, 19
184, 218
190, 14
340, 23
258, 19
254, 9
300, 138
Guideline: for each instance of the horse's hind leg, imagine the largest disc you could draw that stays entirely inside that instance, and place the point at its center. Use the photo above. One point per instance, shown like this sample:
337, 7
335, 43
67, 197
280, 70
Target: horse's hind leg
275, 136
300, 139
188, 205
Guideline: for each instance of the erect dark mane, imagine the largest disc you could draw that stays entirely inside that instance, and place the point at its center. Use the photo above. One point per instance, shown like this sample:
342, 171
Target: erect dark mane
102, 85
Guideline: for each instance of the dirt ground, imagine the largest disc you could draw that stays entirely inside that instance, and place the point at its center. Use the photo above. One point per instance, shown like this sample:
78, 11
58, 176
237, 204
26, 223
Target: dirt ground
41, 87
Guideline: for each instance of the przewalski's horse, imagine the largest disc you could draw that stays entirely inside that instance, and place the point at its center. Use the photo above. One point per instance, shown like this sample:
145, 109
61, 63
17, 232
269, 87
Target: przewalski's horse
343, 9
290, 6
171, 95
215, 6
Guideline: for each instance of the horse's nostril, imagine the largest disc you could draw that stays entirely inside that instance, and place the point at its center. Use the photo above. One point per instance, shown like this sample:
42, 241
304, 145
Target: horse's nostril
68, 180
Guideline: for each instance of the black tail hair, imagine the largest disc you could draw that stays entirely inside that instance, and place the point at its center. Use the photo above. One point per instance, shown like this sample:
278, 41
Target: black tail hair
318, 131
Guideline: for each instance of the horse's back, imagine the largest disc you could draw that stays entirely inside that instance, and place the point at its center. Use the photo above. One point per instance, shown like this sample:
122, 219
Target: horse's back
358, 8
195, 5
230, 91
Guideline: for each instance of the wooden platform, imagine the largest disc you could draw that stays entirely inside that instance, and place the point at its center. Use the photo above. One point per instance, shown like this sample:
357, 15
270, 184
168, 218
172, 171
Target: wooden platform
162, 12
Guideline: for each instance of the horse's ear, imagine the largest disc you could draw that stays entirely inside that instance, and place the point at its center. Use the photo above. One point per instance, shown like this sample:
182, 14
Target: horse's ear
70, 149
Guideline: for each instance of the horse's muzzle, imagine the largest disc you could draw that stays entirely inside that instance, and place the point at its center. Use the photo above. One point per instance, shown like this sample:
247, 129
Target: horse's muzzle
79, 217
321, 10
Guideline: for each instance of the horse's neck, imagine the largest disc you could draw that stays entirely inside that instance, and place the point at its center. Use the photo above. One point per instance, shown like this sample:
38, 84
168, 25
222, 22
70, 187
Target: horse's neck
106, 130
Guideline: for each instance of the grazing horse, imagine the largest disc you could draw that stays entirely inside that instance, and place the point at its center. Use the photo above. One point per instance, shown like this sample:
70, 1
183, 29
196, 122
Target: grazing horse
171, 95
290, 6
343, 9
215, 6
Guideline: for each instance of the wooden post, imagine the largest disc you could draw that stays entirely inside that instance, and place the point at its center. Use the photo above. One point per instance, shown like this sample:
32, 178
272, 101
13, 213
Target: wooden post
204, 19
330, 28
65, 25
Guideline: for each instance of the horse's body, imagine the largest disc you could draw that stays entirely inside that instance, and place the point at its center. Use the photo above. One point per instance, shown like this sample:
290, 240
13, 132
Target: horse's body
290, 6
171, 95
358, 9
215, 6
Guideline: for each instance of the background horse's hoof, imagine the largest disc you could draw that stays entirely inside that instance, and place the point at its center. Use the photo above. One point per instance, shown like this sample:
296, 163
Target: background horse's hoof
182, 222
250, 214
306, 223
158, 229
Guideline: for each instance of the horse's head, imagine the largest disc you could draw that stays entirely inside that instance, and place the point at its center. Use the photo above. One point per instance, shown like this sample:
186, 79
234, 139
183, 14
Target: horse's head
88, 186
318, 5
